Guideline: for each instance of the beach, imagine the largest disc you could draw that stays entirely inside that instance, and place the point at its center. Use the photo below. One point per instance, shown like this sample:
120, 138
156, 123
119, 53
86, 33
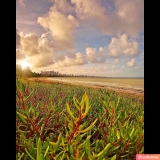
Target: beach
134, 90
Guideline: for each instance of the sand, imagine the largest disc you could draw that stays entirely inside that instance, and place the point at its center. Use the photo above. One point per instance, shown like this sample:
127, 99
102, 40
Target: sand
132, 90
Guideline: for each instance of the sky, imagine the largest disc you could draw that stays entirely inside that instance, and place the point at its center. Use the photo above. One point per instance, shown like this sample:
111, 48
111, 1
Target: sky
81, 37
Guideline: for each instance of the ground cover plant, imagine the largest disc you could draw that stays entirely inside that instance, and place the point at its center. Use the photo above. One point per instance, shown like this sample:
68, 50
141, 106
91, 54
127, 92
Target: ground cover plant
64, 122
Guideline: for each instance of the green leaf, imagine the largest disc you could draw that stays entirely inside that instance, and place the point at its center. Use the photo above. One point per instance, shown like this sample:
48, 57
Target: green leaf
58, 142
80, 158
114, 157
69, 112
104, 151
22, 87
59, 155
70, 148
70, 127
21, 156
131, 134
112, 104
42, 157
97, 145
46, 151
76, 103
87, 147
23, 118
89, 128
118, 134
142, 150
29, 154
39, 148
29, 95
62, 158
82, 102
83, 144
87, 106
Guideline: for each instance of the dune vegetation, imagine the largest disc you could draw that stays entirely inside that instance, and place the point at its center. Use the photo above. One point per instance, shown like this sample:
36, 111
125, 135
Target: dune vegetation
56, 121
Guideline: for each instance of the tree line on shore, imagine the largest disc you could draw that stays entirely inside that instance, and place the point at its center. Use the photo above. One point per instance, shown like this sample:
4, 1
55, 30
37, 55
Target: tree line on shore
27, 72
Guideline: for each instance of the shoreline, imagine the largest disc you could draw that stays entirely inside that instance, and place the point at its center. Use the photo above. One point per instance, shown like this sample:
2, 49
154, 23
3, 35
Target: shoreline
136, 92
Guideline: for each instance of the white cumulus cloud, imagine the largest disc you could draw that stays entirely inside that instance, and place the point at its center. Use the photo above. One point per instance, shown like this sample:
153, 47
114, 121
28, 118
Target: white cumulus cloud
61, 27
131, 63
128, 16
123, 46
95, 56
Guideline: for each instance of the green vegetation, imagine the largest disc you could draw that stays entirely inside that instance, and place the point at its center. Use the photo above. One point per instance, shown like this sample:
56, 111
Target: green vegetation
64, 122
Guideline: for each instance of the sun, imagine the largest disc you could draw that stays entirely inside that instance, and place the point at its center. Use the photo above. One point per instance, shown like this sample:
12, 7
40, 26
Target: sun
24, 64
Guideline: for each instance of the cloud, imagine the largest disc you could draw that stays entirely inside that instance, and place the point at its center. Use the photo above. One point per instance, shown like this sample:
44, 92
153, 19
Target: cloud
90, 9
128, 16
21, 2
61, 27
25, 22
39, 51
72, 23
100, 68
95, 56
122, 46
19, 54
83, 70
79, 59
131, 15
63, 6
40, 61
113, 66
131, 63
29, 43
116, 61
17, 38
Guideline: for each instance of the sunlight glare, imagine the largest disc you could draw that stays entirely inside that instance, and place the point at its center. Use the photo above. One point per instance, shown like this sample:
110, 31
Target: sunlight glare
24, 64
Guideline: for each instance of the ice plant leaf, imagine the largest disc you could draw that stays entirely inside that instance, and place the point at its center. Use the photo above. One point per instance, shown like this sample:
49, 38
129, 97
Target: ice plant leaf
39, 148
23, 88
69, 112
90, 127
29, 154
88, 149
76, 103
29, 95
70, 148
23, 118
21, 156
46, 151
42, 157
52, 143
58, 142
87, 106
83, 144
82, 101
114, 157
86, 99
96, 145
118, 134
104, 151
70, 127
59, 155
131, 134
